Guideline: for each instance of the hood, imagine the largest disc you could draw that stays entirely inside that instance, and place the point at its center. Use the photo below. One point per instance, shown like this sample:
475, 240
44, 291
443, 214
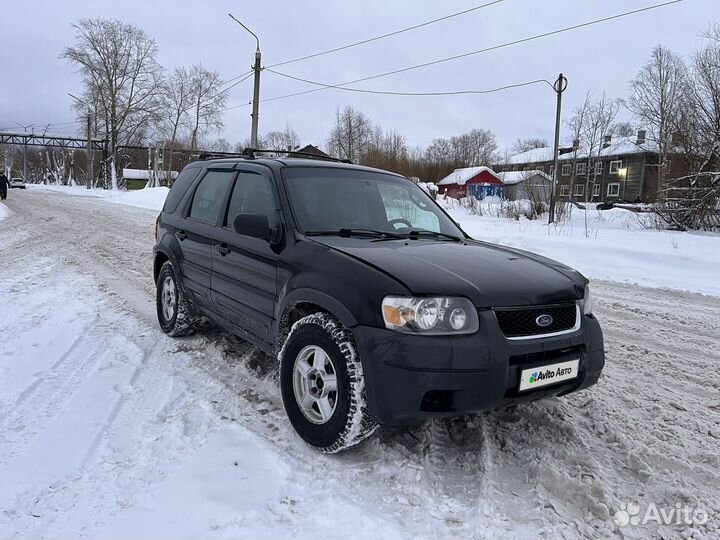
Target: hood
487, 274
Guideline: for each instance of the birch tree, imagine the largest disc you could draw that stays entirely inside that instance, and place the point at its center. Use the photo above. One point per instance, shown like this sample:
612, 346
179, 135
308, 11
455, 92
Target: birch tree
350, 135
121, 75
208, 102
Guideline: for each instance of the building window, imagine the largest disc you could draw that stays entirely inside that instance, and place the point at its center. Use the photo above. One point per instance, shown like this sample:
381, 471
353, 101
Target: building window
564, 191
552, 171
580, 168
613, 190
579, 190
599, 168
615, 166
596, 190
566, 169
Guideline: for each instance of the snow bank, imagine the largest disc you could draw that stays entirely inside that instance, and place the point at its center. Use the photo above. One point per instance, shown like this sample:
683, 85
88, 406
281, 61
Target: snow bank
616, 245
4, 211
150, 198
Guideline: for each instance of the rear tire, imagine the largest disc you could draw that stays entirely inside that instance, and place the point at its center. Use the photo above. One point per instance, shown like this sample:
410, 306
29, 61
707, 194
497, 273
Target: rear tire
173, 310
322, 384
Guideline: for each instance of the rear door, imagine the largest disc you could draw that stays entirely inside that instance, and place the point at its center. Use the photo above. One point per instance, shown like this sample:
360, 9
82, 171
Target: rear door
244, 277
195, 233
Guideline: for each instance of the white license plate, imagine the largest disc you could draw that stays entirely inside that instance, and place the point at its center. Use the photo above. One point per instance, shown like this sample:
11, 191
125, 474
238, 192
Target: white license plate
550, 374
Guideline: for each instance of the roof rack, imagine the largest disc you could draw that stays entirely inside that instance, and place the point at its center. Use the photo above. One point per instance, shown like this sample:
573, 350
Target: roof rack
218, 155
250, 154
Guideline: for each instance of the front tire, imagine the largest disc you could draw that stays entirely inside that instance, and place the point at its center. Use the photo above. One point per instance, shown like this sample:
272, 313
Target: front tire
173, 311
322, 384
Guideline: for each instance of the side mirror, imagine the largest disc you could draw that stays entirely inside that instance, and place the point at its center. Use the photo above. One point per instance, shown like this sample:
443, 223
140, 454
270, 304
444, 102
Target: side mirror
257, 226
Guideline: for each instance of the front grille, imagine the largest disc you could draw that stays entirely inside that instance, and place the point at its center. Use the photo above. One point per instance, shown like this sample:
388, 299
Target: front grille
521, 322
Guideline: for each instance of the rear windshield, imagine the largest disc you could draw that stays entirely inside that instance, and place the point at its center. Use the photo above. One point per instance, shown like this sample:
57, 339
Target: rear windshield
328, 199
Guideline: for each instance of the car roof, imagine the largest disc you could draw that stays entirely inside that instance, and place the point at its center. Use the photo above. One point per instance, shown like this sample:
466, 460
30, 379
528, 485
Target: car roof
293, 162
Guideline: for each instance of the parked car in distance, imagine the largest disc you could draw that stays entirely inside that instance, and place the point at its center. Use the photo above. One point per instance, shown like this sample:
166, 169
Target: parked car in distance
377, 305
17, 183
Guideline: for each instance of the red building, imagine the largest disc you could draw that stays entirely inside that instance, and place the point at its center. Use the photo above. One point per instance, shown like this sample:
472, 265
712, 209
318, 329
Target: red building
480, 182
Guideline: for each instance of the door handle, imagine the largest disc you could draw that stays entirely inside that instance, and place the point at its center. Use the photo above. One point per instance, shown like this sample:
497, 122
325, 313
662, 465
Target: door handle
222, 249
182, 235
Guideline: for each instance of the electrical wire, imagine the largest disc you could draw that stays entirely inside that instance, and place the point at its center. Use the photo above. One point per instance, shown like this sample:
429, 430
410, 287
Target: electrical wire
389, 34
397, 93
480, 51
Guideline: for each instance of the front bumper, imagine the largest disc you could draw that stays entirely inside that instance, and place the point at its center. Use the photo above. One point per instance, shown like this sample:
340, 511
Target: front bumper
410, 377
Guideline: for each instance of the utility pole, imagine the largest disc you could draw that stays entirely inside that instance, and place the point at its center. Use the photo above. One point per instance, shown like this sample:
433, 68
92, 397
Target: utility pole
559, 86
88, 154
256, 87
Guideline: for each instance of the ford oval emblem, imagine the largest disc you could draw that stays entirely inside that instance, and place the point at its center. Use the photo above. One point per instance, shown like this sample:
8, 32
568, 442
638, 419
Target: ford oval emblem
544, 320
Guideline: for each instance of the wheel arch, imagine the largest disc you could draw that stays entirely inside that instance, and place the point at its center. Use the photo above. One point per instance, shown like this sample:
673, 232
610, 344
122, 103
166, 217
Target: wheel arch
302, 302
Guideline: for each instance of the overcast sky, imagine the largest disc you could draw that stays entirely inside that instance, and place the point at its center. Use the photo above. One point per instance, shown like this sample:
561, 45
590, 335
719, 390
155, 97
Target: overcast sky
35, 81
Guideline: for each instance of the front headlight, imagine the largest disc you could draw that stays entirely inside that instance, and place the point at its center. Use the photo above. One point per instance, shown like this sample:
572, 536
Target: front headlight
586, 303
429, 315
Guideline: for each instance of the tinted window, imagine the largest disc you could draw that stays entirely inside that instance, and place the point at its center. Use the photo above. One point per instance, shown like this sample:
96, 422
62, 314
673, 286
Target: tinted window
210, 196
179, 188
252, 194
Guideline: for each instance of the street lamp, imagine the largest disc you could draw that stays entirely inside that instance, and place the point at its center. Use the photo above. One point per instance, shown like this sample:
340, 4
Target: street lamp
256, 89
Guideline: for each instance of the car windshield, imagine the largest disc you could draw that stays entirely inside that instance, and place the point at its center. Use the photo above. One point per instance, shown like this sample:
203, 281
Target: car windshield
325, 199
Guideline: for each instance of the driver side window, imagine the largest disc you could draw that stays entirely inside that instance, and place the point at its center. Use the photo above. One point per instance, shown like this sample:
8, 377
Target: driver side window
252, 194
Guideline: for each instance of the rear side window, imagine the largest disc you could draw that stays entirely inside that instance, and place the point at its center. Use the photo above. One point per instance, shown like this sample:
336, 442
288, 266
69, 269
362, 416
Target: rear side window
179, 188
252, 194
210, 196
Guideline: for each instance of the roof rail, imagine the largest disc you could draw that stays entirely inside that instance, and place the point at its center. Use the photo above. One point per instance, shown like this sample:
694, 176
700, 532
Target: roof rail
250, 153
218, 155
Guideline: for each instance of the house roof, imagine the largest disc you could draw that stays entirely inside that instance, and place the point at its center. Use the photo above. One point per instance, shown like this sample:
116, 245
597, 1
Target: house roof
311, 149
618, 146
515, 177
461, 176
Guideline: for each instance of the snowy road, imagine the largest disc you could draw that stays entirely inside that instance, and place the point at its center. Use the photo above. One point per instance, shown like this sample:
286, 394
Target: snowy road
109, 429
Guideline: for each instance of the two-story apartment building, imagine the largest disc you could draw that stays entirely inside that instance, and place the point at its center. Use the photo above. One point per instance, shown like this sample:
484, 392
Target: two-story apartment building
623, 169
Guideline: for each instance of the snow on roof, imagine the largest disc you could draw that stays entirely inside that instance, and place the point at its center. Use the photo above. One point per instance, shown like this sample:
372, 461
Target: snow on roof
144, 174
461, 176
515, 177
533, 156
618, 146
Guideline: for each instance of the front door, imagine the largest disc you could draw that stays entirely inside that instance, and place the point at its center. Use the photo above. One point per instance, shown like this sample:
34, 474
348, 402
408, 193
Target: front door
195, 233
244, 277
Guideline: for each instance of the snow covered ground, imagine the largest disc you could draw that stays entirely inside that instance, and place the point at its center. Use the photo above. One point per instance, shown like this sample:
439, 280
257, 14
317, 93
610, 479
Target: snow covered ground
150, 198
110, 429
616, 245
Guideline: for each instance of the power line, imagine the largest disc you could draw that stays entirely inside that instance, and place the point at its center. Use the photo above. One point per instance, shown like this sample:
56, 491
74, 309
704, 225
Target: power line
480, 51
392, 93
236, 78
389, 34
221, 92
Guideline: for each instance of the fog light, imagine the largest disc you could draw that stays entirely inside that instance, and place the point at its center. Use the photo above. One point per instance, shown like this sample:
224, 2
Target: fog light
457, 319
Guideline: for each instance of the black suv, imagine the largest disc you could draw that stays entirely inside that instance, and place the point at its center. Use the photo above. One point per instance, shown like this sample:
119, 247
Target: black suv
378, 306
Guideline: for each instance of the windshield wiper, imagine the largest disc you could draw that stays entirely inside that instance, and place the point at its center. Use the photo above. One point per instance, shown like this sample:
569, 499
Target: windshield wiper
415, 233
356, 232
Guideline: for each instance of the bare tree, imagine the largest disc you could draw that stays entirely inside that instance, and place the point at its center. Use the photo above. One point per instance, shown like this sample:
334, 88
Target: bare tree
208, 102
178, 101
474, 148
530, 143
122, 79
657, 98
691, 197
350, 135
